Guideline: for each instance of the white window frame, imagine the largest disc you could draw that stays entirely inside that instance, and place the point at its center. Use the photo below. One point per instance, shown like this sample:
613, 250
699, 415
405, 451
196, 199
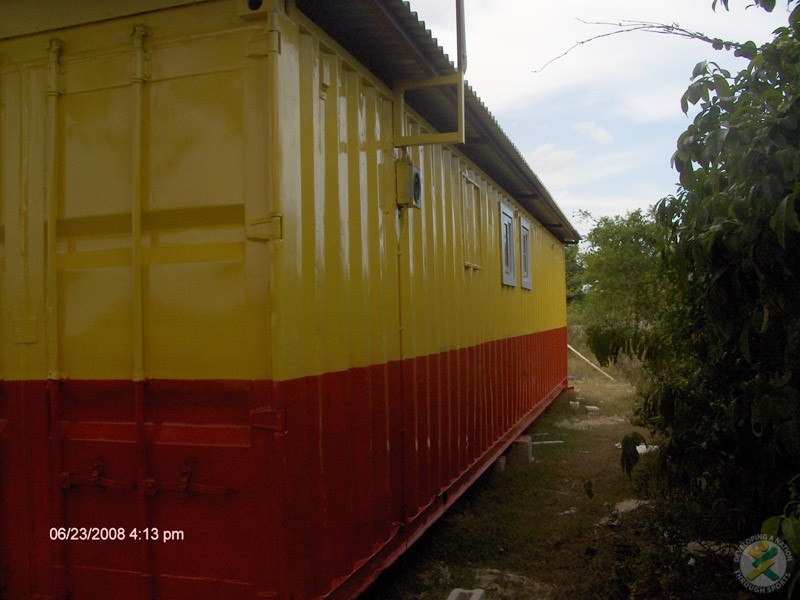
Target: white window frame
525, 253
508, 246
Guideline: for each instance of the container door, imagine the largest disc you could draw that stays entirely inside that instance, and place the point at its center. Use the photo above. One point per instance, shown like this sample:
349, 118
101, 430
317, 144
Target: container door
176, 504
161, 422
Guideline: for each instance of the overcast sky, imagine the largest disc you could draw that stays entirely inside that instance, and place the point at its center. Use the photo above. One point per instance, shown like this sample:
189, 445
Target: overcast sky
599, 125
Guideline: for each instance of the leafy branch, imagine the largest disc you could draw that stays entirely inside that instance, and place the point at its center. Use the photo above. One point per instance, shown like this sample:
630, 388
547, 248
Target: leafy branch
767, 5
721, 386
728, 401
747, 49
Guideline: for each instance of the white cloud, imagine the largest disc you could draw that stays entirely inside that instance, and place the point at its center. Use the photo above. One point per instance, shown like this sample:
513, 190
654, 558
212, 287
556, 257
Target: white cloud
563, 169
657, 102
598, 205
594, 131
631, 83
508, 40
548, 158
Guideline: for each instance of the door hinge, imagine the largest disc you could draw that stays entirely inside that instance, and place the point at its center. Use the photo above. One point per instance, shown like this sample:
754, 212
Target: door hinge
264, 45
269, 42
271, 419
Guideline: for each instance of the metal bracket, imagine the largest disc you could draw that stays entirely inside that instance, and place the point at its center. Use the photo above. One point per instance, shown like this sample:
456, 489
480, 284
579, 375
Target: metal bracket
264, 45
264, 229
272, 11
141, 61
271, 419
401, 140
54, 79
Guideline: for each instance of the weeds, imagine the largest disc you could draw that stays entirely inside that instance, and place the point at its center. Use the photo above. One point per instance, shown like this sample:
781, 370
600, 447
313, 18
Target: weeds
551, 530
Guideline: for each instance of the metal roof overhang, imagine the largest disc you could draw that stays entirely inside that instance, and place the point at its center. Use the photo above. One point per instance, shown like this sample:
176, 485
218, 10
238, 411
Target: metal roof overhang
390, 40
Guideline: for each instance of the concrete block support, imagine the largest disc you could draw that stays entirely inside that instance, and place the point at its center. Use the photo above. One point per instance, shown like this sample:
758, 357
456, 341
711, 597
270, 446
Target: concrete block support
459, 594
520, 452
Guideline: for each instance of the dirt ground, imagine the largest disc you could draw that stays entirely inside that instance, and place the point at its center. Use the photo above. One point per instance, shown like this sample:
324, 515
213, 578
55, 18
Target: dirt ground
569, 525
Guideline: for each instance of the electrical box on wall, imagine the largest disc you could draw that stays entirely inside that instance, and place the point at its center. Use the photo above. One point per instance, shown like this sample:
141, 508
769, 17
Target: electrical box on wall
409, 184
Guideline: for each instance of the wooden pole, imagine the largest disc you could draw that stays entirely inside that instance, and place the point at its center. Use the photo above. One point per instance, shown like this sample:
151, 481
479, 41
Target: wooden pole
594, 366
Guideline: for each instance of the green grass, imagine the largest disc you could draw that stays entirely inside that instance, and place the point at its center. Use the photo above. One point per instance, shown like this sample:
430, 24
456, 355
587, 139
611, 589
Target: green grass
524, 532
531, 532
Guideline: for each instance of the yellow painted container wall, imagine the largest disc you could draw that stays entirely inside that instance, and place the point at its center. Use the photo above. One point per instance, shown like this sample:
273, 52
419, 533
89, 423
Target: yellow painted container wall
216, 164
154, 161
334, 286
206, 281
451, 282
400, 357
335, 188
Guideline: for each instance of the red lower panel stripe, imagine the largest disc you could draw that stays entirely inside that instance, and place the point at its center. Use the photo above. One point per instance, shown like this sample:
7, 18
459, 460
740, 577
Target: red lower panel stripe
305, 488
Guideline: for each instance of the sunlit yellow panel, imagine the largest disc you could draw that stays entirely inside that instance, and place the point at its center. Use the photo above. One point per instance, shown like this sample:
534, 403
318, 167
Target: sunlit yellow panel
270, 240
195, 141
96, 152
96, 337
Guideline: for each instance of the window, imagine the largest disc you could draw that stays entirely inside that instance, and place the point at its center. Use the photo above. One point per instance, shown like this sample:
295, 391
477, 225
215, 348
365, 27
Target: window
508, 245
471, 196
525, 252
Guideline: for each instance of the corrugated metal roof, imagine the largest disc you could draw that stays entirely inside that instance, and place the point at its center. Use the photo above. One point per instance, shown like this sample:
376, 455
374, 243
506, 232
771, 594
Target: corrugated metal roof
388, 38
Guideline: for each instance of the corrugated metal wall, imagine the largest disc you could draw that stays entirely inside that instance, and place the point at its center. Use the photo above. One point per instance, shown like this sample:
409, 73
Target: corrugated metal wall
403, 359
153, 195
204, 254
336, 173
335, 305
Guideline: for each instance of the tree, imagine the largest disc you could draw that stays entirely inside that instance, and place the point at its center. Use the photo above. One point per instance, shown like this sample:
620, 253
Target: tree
622, 282
574, 272
728, 400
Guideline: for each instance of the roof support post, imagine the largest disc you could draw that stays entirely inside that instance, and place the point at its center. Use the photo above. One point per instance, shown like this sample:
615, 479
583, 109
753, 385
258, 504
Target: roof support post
401, 140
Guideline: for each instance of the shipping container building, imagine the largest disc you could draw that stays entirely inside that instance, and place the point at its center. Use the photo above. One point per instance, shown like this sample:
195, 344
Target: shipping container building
275, 289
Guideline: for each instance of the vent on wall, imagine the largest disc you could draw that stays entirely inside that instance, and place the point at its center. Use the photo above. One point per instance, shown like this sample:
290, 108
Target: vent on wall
252, 9
409, 184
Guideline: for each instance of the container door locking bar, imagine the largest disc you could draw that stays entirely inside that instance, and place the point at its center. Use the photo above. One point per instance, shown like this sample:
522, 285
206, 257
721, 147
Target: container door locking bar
94, 479
184, 485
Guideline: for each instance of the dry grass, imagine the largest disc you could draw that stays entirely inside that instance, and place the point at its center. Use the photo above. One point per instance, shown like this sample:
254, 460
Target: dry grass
532, 525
